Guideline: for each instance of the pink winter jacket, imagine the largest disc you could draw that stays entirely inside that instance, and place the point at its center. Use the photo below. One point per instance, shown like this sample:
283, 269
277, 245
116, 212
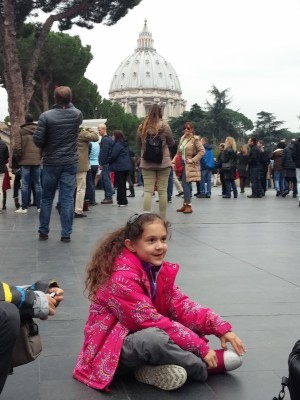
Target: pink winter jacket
123, 305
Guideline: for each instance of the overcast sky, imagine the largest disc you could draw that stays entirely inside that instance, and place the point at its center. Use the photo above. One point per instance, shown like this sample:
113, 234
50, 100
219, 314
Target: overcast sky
250, 47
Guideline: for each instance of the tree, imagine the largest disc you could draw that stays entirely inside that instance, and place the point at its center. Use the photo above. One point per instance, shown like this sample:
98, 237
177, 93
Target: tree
13, 13
267, 129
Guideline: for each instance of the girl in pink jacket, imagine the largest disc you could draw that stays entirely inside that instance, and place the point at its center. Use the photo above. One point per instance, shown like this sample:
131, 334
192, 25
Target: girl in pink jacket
140, 320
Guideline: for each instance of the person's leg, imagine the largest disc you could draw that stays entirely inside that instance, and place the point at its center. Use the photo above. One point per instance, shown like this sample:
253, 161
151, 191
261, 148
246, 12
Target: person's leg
50, 178
149, 182
16, 188
118, 184
1, 191
234, 188
298, 183
276, 178
153, 346
177, 184
106, 183
228, 188
123, 181
9, 331
162, 184
170, 185
80, 192
66, 188
36, 178
208, 182
186, 188
202, 182
90, 188
26, 182
223, 183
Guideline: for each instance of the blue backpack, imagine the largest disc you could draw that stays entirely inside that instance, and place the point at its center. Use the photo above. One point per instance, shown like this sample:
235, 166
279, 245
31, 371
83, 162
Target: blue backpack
208, 162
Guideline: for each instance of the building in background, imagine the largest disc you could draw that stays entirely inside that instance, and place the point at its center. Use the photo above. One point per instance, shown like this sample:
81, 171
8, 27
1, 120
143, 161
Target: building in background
145, 78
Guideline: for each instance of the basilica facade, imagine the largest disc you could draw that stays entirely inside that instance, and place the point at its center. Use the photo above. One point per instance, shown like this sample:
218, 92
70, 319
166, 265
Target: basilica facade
145, 78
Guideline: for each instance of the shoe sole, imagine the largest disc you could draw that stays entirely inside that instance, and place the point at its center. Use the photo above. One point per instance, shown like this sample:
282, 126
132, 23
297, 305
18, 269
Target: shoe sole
164, 377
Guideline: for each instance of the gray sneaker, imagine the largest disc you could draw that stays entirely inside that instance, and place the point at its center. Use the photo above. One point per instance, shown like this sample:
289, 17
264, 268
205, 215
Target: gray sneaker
165, 377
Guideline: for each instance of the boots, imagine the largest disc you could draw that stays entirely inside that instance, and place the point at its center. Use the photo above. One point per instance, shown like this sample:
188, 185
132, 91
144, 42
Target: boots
131, 189
17, 204
182, 208
86, 205
188, 209
4, 201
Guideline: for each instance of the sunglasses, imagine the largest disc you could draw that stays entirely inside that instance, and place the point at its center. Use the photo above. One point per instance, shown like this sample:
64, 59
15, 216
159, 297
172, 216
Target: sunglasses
136, 216
187, 129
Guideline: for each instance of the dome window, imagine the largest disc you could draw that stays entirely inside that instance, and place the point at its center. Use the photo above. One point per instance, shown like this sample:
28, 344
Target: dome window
147, 61
160, 74
147, 73
157, 62
134, 74
123, 75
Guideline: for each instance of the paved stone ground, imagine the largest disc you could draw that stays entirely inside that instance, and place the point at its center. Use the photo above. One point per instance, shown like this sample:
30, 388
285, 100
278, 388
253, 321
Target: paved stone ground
238, 256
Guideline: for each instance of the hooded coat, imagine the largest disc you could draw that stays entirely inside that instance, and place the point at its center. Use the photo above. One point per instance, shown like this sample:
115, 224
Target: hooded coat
193, 150
25, 149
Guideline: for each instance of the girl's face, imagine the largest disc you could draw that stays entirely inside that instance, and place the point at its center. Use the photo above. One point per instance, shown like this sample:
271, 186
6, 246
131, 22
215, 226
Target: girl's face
152, 246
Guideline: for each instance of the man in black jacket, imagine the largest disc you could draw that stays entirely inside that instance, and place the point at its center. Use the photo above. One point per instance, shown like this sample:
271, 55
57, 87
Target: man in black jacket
254, 163
296, 158
56, 135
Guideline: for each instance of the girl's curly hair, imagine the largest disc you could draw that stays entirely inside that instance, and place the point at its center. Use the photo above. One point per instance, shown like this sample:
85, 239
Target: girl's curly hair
99, 268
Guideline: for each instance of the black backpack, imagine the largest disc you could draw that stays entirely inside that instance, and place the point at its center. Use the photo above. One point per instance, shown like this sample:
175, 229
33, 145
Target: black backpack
153, 149
293, 381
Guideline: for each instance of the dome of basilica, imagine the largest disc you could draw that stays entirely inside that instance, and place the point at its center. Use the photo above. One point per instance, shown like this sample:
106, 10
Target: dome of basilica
145, 78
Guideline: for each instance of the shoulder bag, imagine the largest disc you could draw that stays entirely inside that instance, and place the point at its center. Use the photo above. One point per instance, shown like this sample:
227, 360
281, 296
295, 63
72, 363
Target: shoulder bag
28, 345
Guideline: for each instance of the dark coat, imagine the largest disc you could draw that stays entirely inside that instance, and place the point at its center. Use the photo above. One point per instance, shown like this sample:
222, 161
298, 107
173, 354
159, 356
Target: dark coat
57, 133
105, 149
119, 159
287, 159
25, 149
277, 157
229, 155
254, 157
296, 153
242, 164
3, 156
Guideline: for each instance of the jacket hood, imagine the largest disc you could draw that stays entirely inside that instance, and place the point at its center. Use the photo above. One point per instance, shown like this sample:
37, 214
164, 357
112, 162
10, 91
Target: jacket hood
29, 127
207, 146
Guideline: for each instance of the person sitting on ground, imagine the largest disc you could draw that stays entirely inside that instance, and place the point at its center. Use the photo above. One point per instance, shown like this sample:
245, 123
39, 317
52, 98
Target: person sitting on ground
17, 302
139, 318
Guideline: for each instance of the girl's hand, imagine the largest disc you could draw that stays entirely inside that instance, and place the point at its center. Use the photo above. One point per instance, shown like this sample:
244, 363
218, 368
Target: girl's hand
211, 359
235, 342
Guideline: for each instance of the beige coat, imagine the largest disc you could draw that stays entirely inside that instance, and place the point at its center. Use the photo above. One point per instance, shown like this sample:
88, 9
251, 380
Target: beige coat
193, 150
84, 138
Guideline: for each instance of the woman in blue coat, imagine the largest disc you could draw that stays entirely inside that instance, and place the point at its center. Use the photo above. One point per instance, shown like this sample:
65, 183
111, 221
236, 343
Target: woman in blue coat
120, 163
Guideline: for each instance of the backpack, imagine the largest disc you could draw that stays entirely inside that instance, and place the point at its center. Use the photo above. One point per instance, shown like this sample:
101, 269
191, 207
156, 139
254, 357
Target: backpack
293, 381
153, 149
207, 161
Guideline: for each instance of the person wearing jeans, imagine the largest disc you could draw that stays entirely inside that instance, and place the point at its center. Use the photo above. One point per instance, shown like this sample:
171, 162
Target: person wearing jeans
105, 149
56, 135
3, 160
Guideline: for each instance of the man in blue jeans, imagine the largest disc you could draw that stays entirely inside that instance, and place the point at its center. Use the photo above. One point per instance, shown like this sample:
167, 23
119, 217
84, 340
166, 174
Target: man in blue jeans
105, 148
29, 157
56, 135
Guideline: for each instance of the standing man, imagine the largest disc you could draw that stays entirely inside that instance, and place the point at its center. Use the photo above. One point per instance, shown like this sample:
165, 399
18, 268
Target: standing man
3, 161
254, 163
29, 158
56, 135
296, 158
207, 164
264, 162
86, 136
105, 146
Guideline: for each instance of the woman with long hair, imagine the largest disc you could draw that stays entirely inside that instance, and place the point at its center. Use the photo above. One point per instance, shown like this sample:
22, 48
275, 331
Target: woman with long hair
242, 166
191, 150
229, 157
154, 127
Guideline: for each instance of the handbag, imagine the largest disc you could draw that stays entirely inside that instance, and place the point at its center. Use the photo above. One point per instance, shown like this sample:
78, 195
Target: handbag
28, 345
292, 382
226, 166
